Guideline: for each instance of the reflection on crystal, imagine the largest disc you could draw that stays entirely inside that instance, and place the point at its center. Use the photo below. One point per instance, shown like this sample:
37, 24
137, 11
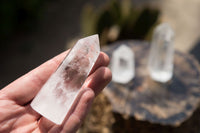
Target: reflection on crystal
122, 65
59, 93
161, 55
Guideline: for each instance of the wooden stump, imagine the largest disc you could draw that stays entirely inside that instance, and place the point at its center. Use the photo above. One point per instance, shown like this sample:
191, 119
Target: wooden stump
145, 106
168, 104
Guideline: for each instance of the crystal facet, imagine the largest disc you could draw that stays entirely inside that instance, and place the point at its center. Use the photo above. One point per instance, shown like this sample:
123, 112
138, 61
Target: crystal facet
123, 65
161, 54
60, 93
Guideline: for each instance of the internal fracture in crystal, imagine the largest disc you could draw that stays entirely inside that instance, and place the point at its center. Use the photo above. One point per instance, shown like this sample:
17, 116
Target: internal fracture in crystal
161, 54
59, 94
123, 65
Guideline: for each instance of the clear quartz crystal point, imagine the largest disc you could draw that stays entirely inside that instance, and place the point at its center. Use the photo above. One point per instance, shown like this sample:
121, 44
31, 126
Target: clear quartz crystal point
60, 93
123, 65
161, 54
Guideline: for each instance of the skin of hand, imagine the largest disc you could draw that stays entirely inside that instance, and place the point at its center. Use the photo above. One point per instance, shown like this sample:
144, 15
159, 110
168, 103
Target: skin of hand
16, 114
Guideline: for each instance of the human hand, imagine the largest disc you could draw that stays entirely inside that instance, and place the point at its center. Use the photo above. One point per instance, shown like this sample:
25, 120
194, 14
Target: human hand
16, 114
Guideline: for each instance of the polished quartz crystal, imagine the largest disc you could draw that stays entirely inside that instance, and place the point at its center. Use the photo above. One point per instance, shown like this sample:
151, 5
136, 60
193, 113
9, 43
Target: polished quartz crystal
161, 54
123, 65
60, 93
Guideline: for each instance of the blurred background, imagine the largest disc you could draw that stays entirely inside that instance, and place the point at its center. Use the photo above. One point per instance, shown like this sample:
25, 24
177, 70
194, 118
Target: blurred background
34, 31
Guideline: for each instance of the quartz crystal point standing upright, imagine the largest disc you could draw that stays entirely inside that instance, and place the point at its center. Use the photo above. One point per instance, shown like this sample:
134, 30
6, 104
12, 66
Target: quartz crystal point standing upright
60, 93
161, 54
123, 65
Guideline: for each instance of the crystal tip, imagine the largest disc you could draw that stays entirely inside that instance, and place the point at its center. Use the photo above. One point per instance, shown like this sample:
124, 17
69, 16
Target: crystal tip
95, 37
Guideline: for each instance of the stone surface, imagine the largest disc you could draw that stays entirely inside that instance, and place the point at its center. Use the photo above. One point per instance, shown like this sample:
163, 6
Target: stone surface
59, 94
123, 65
161, 54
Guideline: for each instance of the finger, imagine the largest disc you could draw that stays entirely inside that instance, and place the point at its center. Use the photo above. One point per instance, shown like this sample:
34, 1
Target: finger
44, 125
26, 87
72, 124
103, 60
98, 80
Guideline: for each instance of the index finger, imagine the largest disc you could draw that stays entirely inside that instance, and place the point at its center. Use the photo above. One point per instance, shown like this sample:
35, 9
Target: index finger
24, 89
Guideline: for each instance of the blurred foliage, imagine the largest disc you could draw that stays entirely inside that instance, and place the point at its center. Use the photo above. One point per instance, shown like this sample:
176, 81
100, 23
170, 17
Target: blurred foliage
17, 15
119, 20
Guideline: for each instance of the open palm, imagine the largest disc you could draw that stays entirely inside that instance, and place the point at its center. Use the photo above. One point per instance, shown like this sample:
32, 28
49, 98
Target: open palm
16, 114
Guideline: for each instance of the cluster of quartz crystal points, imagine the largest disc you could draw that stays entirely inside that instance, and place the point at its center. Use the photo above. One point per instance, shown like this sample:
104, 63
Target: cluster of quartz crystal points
160, 63
59, 94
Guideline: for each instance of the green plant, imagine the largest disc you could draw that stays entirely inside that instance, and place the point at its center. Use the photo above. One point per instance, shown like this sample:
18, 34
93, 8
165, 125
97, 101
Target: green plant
119, 20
